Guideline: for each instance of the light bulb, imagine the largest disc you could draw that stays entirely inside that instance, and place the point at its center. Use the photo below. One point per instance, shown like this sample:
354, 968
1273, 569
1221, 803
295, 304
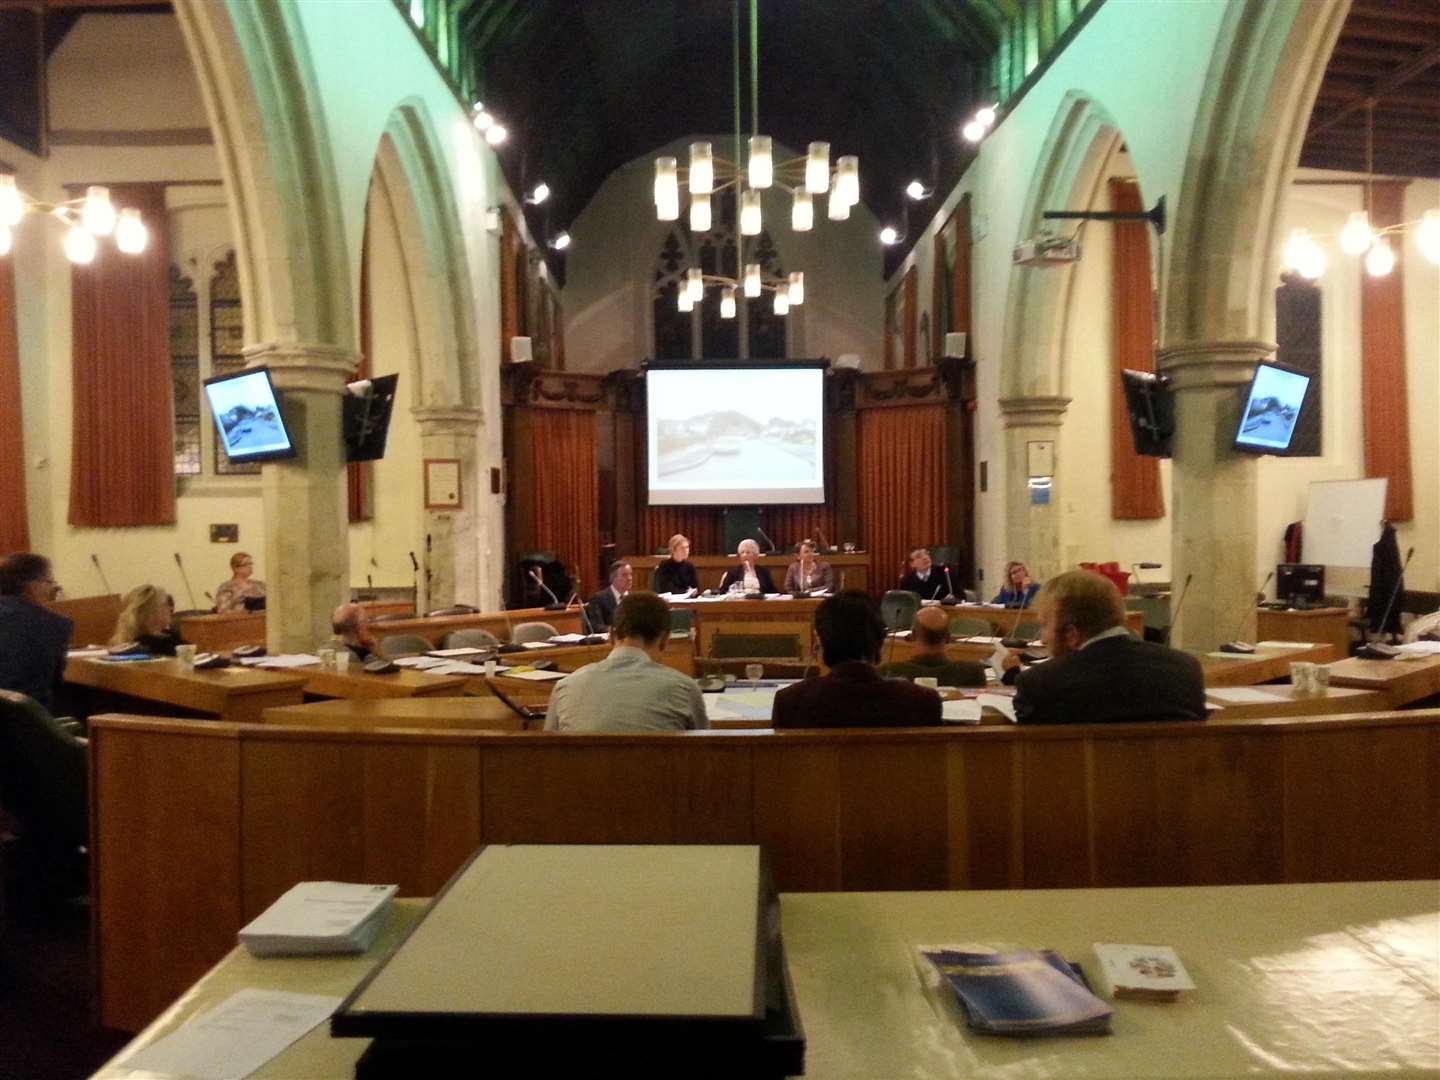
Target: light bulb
667, 189
131, 235
837, 209
782, 302
752, 279
79, 245
1303, 255
540, 194
796, 291
762, 164
888, 235
985, 116
847, 178
483, 120
496, 134
561, 241
695, 283
802, 212
1427, 236
98, 213
750, 213
817, 168
916, 190
1356, 237
974, 131
702, 169
727, 302
1380, 259
683, 300
7, 240
12, 203
699, 212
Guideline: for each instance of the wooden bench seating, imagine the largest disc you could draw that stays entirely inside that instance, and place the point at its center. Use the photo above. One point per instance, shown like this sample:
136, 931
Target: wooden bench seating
198, 827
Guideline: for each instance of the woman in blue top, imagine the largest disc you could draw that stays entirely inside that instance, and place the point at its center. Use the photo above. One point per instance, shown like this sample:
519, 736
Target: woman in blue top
1018, 591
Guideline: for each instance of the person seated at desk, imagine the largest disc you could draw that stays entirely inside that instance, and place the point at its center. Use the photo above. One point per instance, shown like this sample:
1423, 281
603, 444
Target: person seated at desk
1099, 672
349, 622
749, 576
33, 639
242, 586
925, 579
677, 573
851, 633
630, 690
147, 619
929, 633
807, 573
1018, 591
603, 604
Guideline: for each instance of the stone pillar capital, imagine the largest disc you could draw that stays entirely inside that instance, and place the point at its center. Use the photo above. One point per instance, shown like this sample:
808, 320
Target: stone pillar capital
297, 365
1037, 410
461, 420
1203, 364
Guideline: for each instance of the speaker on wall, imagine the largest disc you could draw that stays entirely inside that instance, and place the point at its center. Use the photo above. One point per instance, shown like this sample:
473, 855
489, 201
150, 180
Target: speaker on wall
520, 350
955, 345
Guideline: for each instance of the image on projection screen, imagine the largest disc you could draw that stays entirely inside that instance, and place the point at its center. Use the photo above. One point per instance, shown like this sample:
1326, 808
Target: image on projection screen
735, 435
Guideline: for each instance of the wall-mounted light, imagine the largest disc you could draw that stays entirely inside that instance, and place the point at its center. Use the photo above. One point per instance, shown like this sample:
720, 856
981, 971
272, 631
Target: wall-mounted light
561, 241
538, 194
496, 134
917, 191
890, 236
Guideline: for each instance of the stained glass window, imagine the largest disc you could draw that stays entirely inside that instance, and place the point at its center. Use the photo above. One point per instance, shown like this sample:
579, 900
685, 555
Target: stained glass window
185, 372
227, 336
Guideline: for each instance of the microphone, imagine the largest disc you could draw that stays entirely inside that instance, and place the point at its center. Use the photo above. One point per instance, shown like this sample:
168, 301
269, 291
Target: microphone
414, 564
1236, 645
1260, 595
767, 539
1377, 650
186, 579
950, 585
1175, 615
824, 540
539, 580
96, 560
369, 582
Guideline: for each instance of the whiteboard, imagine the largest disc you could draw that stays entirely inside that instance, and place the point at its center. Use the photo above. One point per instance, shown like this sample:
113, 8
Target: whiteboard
1342, 521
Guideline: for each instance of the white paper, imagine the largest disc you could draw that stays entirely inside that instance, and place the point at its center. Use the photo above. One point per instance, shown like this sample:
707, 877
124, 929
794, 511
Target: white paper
236, 1037
1142, 967
1233, 655
535, 676
536, 644
567, 639
472, 651
1001, 703
984, 639
94, 650
961, 711
998, 658
456, 667
1241, 695
1413, 648
320, 908
420, 663
284, 660
901, 634
716, 709
1282, 645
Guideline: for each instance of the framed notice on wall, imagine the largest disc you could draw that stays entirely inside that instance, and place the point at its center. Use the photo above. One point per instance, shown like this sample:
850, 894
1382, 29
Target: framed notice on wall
442, 484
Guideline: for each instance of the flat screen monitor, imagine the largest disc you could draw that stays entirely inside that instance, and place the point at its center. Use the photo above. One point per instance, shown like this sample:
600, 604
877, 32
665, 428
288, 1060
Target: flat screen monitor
1300, 584
1152, 411
729, 433
1272, 409
365, 415
247, 416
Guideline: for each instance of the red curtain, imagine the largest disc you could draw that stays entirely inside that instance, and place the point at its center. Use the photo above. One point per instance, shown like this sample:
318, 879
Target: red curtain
704, 526
1384, 400
14, 528
788, 525
1134, 479
566, 488
123, 460
902, 484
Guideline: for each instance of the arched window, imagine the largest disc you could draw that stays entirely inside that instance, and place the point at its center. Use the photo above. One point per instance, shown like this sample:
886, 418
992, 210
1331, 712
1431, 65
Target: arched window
185, 372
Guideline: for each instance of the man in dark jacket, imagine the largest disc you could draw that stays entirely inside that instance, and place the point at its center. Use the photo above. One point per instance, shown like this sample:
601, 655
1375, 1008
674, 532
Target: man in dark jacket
1099, 672
929, 634
33, 639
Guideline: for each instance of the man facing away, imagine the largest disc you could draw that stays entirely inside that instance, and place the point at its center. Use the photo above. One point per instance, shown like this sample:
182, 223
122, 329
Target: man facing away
352, 632
929, 634
630, 690
1099, 672
851, 633
33, 639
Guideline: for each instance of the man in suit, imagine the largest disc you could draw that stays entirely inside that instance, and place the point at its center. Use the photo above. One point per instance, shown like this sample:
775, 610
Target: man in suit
851, 633
925, 579
1099, 672
929, 633
603, 604
33, 639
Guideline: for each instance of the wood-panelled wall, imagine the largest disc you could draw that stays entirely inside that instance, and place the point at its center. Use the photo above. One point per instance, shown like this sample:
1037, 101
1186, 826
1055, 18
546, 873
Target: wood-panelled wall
197, 826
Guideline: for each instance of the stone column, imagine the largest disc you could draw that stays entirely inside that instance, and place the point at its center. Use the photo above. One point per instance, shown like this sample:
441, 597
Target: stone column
1213, 505
1032, 533
307, 549
453, 540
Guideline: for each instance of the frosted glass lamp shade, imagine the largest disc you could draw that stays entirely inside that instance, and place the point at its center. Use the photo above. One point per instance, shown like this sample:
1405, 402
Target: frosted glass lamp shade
7, 240
762, 163
795, 291
1303, 255
1356, 237
1427, 236
817, 168
847, 178
695, 283
667, 181
702, 169
131, 235
837, 209
1380, 259
802, 212
12, 205
699, 212
683, 300
98, 213
782, 302
752, 279
80, 245
750, 222
727, 302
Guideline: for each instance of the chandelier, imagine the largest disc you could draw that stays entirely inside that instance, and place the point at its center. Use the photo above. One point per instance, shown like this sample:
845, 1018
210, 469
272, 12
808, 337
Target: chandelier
709, 177
1306, 256
86, 218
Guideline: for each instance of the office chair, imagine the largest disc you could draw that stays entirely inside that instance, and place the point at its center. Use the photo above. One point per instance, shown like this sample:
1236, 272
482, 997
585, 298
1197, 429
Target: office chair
898, 608
532, 631
44, 786
970, 627
471, 639
393, 645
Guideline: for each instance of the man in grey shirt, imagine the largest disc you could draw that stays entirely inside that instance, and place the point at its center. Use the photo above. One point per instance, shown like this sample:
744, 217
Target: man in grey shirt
630, 690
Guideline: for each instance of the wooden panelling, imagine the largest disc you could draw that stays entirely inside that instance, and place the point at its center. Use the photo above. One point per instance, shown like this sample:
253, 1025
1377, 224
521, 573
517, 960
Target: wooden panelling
714, 799
94, 617
797, 810
892, 817
984, 815
421, 813
1056, 816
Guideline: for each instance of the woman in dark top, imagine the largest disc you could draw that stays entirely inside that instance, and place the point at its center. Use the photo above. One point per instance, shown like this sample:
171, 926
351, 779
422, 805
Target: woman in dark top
749, 576
147, 620
677, 573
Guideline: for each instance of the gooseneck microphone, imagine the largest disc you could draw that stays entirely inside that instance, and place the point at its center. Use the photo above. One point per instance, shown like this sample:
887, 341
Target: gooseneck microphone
414, 564
1175, 615
949, 585
539, 580
96, 560
186, 579
767, 539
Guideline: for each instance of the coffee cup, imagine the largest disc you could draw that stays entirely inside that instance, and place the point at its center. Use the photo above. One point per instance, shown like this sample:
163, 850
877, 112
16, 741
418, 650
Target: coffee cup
1322, 678
1302, 678
186, 655
342, 660
327, 659
491, 666
929, 681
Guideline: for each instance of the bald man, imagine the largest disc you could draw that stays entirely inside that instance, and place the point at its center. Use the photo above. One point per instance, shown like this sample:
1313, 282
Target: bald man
929, 633
349, 623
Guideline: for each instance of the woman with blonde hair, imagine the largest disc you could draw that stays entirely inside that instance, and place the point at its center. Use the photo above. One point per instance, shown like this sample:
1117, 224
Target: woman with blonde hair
677, 573
232, 594
146, 620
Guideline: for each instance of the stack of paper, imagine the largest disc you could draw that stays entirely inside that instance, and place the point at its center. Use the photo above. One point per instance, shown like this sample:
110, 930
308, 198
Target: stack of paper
319, 917
1150, 972
282, 661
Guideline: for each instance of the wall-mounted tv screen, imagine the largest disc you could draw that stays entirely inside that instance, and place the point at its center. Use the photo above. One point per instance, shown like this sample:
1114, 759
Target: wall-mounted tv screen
1272, 409
247, 416
735, 434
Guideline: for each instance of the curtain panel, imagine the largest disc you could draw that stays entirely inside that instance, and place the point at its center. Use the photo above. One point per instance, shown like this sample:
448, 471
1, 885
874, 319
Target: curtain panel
1134, 479
566, 487
703, 526
14, 522
1384, 398
902, 485
122, 461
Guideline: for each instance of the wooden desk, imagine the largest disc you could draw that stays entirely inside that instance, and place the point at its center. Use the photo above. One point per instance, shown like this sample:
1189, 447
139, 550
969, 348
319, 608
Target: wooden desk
237, 694
459, 713
1328, 626
1263, 666
710, 568
94, 617
222, 633
355, 683
1335, 701
1401, 681
499, 623
1263, 957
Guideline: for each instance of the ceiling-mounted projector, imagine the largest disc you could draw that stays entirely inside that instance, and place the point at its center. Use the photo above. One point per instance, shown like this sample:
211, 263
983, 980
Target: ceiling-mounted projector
1047, 250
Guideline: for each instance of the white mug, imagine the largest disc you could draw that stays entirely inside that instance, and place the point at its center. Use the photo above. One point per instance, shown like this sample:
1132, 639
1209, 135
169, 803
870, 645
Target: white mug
490, 668
327, 659
342, 660
186, 655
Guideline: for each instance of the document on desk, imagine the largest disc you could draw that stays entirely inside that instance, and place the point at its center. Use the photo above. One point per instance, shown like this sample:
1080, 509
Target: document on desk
319, 918
535, 676
236, 1037
961, 711
1240, 695
457, 667
421, 663
537, 644
284, 660
567, 639
94, 650
1004, 704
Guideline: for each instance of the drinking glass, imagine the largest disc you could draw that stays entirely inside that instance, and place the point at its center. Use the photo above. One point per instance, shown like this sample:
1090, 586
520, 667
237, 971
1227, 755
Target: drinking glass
753, 672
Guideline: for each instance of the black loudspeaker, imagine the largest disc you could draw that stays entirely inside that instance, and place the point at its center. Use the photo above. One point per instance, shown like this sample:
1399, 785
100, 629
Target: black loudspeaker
743, 523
